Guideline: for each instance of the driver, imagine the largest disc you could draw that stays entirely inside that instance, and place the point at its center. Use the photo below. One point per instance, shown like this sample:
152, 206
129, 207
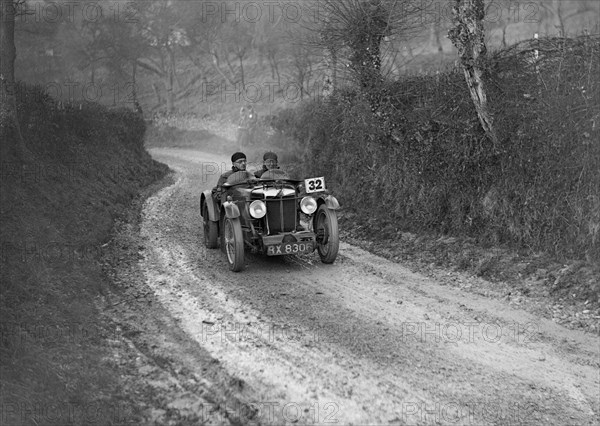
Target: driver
269, 163
238, 161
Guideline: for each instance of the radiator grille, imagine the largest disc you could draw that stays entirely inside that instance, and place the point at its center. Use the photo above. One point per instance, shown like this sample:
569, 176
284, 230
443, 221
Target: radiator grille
274, 217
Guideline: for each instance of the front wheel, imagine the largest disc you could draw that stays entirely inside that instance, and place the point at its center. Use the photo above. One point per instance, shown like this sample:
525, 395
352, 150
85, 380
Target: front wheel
326, 228
233, 239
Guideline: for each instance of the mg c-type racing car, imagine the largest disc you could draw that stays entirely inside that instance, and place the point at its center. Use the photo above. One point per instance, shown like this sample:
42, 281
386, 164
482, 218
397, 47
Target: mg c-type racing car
272, 215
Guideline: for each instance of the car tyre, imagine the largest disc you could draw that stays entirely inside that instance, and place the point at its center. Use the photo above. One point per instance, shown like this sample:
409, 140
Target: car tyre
233, 239
211, 231
326, 228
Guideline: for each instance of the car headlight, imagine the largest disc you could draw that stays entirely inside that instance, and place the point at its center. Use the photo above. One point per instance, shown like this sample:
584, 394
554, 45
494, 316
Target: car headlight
258, 209
308, 205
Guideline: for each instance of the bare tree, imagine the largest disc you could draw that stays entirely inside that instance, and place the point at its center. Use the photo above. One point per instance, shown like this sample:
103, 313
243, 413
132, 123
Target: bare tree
302, 68
117, 46
272, 49
270, 40
237, 39
223, 42
162, 29
559, 13
354, 30
9, 122
207, 46
435, 36
468, 37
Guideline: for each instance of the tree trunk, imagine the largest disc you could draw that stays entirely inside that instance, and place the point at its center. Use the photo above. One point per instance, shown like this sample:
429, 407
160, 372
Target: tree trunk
558, 21
438, 40
174, 68
170, 95
365, 45
331, 64
468, 37
170, 92
216, 65
133, 80
274, 67
9, 123
241, 59
136, 105
159, 100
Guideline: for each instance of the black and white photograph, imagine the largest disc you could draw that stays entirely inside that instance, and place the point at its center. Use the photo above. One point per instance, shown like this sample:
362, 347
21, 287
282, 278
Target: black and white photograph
299, 212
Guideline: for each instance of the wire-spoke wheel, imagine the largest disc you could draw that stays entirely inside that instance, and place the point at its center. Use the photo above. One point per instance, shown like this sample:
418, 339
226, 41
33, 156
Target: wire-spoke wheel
234, 244
326, 228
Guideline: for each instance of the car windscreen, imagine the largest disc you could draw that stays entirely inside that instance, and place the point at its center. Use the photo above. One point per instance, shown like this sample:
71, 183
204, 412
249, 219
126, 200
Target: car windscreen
238, 177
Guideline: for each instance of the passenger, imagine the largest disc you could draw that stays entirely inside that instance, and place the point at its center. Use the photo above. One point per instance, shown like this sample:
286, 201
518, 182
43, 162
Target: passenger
238, 161
269, 163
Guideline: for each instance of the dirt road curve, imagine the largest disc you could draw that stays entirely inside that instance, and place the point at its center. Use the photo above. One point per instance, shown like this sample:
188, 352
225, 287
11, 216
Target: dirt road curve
362, 341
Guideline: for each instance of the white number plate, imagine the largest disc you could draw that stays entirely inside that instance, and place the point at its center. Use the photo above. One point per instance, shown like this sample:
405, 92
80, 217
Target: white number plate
288, 248
314, 184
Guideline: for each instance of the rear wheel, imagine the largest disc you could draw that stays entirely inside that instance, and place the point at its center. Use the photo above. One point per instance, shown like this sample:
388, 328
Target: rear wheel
326, 228
211, 230
234, 243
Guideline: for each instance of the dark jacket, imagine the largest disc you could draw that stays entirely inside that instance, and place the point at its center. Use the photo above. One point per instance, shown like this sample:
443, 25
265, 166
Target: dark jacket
217, 190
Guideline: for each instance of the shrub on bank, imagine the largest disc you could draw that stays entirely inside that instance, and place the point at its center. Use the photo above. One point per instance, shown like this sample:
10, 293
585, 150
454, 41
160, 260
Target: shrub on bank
58, 206
422, 161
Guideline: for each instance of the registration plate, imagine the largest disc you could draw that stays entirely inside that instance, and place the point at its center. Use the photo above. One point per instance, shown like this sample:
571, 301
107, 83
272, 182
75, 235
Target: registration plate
289, 248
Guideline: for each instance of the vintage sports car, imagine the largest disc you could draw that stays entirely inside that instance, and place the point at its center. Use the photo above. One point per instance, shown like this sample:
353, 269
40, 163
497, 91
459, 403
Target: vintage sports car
273, 215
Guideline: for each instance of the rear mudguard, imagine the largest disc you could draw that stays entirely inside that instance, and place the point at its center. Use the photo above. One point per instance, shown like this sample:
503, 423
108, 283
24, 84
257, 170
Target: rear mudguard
211, 206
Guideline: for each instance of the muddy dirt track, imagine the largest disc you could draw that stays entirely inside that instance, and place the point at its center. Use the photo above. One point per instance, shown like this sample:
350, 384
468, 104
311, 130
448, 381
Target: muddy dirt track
362, 341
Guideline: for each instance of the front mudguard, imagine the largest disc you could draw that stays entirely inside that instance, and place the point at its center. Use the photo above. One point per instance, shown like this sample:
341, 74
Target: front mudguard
231, 209
331, 202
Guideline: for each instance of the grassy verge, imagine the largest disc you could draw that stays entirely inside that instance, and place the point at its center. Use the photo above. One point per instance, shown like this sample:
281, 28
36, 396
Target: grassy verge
58, 207
566, 292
